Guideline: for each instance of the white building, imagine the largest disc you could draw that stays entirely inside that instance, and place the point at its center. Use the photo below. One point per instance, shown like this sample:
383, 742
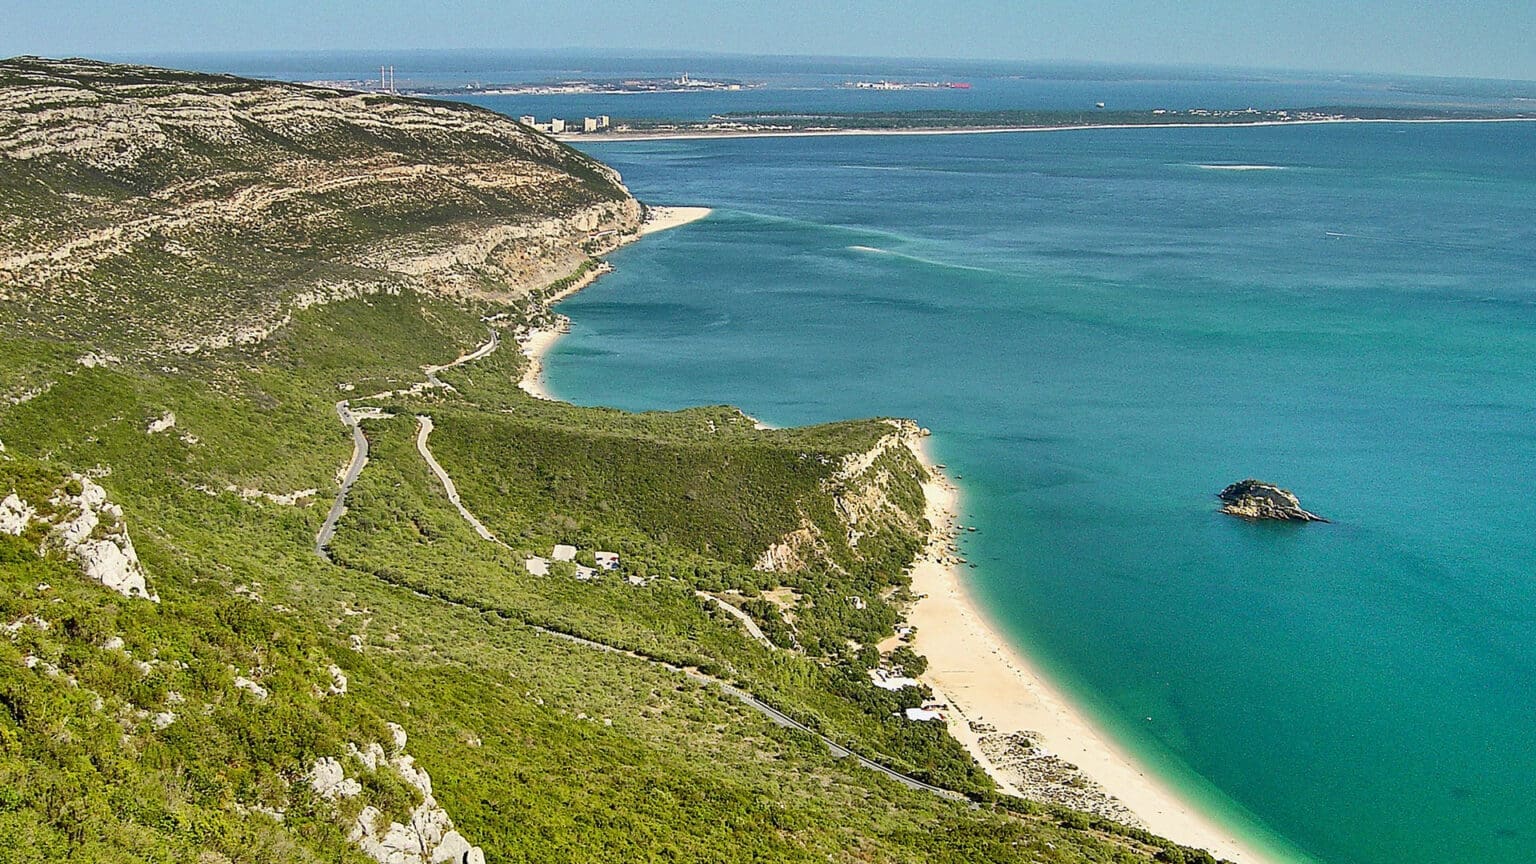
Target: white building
528, 120
556, 125
887, 681
536, 566
923, 715
563, 552
607, 560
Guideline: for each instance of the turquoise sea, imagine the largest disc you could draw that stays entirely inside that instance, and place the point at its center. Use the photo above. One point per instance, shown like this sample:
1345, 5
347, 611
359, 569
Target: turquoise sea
1105, 327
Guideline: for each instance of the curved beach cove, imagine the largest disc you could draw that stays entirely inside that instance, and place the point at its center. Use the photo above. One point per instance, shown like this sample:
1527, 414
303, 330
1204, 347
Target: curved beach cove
1102, 333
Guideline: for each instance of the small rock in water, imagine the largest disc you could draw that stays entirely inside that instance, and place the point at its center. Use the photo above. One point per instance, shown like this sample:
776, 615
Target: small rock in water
1255, 499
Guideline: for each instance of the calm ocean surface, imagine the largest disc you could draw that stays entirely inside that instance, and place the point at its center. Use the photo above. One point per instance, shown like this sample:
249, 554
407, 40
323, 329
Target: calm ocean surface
1103, 329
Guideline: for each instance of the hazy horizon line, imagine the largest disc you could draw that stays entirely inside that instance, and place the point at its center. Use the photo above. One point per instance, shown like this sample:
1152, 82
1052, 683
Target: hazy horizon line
657, 53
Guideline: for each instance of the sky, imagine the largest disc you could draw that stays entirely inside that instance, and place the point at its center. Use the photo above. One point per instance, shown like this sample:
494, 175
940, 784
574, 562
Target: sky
1470, 38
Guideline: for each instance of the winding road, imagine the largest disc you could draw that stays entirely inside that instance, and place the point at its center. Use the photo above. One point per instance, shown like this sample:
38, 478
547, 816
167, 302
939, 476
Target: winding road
424, 428
777, 717
360, 448
354, 469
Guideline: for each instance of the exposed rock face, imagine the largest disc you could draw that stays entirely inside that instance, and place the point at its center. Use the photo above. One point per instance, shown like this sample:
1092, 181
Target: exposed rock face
1255, 499
861, 496
228, 191
15, 515
428, 838
88, 528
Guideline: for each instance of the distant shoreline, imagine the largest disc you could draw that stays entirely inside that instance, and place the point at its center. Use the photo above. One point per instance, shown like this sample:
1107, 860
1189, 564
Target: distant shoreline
703, 134
539, 341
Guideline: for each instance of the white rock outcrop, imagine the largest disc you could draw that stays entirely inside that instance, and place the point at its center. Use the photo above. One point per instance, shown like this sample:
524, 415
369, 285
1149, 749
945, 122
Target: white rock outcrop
166, 421
426, 837
15, 515
91, 529
329, 780
251, 687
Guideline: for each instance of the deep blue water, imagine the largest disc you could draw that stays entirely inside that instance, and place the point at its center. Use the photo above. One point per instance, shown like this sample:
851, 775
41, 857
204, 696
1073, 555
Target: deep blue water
1102, 333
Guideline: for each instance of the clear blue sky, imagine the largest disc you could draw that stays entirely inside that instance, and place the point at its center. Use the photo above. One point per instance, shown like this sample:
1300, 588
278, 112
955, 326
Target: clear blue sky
1481, 38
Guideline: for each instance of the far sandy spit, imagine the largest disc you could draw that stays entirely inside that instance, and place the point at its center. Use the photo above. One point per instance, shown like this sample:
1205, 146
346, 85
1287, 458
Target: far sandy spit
984, 679
538, 342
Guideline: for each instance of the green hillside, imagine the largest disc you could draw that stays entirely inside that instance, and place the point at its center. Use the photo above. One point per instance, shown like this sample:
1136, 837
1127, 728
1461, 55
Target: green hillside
184, 678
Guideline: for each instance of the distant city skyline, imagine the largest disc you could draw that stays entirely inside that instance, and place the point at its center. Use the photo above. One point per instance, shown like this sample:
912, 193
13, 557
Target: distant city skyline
1492, 39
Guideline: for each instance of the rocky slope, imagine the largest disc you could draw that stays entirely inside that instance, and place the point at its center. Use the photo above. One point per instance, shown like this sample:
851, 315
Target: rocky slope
153, 210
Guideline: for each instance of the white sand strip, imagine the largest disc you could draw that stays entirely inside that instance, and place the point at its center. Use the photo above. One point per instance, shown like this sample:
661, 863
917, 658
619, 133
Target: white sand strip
986, 679
538, 342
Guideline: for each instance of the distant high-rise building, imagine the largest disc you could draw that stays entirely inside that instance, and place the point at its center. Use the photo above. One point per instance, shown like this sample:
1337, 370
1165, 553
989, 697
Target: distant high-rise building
589, 124
556, 125
528, 120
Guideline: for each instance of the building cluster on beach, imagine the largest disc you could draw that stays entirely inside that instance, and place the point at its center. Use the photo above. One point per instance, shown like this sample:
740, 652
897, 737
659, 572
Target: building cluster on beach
558, 126
883, 84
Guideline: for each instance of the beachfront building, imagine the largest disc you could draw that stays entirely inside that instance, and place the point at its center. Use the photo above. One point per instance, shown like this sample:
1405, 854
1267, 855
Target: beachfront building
885, 679
528, 120
607, 560
556, 125
923, 715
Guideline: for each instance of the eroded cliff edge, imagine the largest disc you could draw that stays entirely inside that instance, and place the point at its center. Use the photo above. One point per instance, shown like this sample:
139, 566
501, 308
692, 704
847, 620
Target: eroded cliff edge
148, 210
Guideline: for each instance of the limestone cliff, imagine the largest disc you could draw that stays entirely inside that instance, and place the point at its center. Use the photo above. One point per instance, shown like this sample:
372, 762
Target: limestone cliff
214, 205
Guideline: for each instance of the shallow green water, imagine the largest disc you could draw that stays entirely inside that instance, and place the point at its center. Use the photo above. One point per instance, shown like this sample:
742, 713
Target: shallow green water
1103, 330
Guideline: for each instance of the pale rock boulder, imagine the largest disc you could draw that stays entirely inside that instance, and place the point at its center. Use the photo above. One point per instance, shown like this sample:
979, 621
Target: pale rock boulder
338, 685
166, 421
96, 535
15, 515
251, 687
329, 780
428, 835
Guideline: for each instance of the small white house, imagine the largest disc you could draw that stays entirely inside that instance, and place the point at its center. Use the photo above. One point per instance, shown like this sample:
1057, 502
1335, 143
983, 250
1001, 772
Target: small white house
563, 552
923, 715
887, 681
607, 560
537, 566
585, 574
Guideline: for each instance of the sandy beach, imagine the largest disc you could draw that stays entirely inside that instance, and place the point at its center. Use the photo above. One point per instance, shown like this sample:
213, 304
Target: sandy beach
537, 342
996, 695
